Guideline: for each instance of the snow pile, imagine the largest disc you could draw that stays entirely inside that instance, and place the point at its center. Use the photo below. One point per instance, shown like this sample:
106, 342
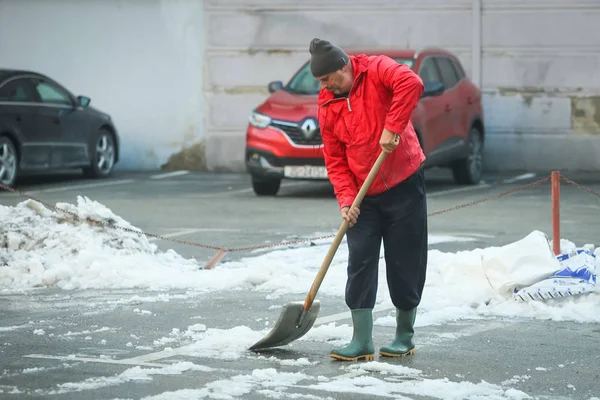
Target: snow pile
41, 247
44, 248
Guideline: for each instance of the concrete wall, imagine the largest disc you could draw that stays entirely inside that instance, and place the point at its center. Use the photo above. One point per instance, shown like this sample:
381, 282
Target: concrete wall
177, 72
140, 61
540, 62
536, 61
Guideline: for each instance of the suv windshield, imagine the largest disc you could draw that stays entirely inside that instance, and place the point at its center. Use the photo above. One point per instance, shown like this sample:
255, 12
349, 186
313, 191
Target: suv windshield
304, 83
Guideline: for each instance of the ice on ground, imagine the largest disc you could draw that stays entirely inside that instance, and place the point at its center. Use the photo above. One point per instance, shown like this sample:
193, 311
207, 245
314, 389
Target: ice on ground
45, 248
132, 374
269, 382
372, 378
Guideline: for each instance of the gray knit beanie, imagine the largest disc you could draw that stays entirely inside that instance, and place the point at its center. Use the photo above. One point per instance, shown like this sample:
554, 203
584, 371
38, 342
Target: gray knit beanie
325, 57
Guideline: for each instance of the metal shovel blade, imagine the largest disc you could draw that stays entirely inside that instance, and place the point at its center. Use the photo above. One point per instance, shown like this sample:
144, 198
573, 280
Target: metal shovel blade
292, 324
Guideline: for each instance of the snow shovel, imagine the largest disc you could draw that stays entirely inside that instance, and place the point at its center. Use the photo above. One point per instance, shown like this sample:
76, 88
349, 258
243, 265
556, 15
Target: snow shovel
298, 317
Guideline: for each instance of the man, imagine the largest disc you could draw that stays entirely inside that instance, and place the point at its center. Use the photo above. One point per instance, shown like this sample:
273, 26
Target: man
365, 106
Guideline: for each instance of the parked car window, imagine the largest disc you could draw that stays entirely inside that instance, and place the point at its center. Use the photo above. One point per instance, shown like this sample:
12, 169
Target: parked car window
428, 71
304, 82
51, 94
17, 90
407, 61
449, 76
459, 69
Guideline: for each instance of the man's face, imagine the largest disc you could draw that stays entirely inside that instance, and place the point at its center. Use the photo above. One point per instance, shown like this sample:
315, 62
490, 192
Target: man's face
337, 82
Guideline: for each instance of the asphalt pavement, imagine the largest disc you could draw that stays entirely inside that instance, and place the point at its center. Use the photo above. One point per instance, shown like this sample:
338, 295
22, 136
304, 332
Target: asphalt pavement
206, 210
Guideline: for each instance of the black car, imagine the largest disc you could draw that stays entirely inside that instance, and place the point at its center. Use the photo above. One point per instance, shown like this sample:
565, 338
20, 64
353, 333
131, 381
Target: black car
45, 127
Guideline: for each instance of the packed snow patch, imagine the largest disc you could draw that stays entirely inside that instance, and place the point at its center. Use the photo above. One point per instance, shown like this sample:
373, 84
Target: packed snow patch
372, 378
132, 374
382, 379
46, 248
268, 381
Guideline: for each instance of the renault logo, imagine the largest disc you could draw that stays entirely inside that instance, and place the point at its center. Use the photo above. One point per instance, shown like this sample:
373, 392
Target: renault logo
309, 128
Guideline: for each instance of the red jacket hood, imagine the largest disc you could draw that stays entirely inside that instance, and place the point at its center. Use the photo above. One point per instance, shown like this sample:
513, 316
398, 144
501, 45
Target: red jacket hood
360, 63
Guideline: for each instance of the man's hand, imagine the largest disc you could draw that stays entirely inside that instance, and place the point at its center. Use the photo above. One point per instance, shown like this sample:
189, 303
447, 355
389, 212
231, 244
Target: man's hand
350, 215
389, 140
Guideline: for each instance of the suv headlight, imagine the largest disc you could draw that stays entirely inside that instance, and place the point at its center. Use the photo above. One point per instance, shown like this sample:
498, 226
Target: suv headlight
259, 120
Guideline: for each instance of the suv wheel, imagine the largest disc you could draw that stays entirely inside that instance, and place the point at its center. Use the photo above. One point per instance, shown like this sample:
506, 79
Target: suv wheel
9, 162
468, 171
266, 188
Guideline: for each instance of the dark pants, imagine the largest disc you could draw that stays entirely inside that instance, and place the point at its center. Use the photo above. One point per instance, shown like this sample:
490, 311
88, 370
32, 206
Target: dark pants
399, 218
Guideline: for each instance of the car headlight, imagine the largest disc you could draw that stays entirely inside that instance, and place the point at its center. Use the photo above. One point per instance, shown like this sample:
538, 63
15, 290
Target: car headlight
259, 120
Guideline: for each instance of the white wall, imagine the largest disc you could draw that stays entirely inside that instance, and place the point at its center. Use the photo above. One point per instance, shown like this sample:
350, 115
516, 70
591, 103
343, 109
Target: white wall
172, 72
540, 63
141, 61
538, 58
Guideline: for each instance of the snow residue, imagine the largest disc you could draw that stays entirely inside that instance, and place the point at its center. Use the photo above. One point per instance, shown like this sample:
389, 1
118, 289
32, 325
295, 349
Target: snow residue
131, 374
87, 332
396, 381
11, 328
372, 378
40, 247
267, 381
225, 344
516, 379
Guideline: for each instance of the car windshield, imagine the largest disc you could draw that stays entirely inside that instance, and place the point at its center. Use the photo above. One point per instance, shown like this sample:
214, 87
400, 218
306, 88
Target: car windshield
304, 83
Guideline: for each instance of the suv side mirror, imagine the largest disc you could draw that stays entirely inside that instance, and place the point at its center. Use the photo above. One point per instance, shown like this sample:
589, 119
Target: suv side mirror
433, 89
83, 101
275, 86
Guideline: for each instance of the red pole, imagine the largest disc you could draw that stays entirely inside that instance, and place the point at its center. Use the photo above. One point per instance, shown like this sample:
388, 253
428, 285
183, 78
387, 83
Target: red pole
215, 259
556, 212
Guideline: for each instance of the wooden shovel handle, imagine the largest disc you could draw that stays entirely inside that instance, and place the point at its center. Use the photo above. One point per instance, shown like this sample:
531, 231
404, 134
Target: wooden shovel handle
312, 293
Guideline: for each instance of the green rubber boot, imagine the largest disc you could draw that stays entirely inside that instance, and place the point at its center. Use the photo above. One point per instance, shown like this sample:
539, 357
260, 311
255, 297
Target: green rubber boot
361, 347
403, 342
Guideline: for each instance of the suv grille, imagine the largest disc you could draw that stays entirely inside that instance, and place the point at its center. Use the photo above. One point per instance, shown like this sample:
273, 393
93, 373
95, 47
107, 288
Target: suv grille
297, 136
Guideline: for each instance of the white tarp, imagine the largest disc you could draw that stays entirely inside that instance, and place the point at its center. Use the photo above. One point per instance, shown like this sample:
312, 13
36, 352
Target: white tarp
521, 263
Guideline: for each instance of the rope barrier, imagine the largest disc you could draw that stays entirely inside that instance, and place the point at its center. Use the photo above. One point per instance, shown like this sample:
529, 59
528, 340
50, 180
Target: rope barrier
221, 251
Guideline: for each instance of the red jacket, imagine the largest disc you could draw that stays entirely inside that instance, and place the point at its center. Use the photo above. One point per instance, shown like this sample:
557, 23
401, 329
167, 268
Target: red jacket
384, 95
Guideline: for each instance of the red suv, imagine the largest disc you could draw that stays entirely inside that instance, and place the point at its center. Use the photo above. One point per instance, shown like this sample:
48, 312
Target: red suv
283, 139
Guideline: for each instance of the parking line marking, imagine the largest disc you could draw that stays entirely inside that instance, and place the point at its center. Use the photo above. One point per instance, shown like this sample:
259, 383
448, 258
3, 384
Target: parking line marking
521, 177
346, 315
247, 190
459, 190
82, 186
182, 232
175, 234
96, 360
170, 174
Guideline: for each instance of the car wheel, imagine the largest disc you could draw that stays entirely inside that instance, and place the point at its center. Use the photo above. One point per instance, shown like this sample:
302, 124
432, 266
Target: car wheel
9, 162
103, 155
469, 170
266, 188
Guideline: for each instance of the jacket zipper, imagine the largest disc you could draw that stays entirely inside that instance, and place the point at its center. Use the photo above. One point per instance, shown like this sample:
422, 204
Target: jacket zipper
350, 91
347, 98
